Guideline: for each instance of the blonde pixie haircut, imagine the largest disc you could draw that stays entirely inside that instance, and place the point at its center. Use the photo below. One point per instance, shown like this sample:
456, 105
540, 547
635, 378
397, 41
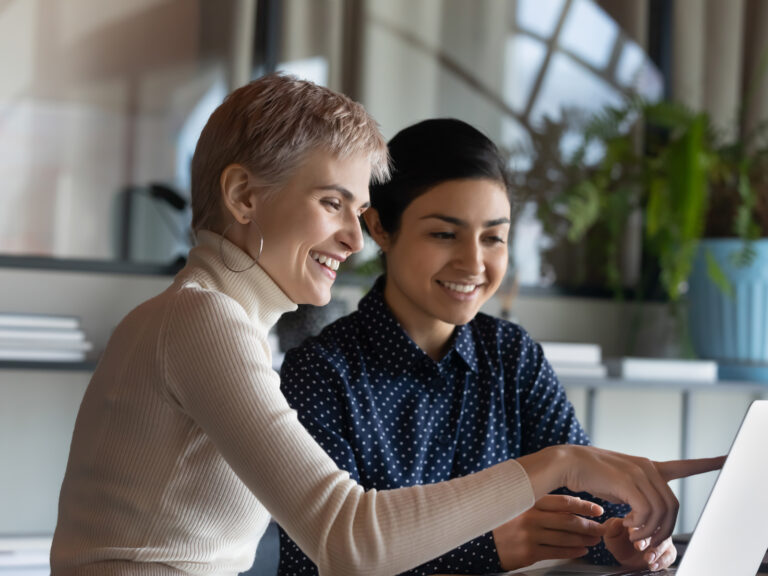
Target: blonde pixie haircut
270, 126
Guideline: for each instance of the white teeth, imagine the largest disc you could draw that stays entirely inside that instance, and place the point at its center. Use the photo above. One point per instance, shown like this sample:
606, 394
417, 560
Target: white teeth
327, 261
463, 288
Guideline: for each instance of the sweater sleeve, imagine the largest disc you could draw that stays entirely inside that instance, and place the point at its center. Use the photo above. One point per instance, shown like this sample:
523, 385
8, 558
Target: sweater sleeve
218, 371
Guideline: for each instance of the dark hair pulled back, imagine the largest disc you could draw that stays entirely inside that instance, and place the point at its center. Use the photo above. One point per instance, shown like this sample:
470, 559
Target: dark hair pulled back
429, 153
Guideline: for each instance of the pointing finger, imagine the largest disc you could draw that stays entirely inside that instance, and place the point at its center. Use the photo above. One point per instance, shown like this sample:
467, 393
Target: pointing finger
674, 469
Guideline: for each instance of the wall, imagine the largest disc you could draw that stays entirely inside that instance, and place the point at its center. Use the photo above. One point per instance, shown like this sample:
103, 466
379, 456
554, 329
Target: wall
95, 97
38, 407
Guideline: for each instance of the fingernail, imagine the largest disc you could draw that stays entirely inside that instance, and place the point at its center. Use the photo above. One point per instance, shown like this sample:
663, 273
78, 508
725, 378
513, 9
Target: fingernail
644, 544
652, 557
655, 566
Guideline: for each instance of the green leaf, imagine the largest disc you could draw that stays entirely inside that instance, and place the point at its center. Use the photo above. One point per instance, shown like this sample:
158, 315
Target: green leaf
583, 209
745, 256
716, 274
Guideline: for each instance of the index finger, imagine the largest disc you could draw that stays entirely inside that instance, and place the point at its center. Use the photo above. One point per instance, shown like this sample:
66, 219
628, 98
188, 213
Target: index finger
673, 469
568, 505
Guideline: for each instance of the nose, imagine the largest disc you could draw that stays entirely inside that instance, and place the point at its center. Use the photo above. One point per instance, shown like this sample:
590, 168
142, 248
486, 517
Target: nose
351, 235
469, 258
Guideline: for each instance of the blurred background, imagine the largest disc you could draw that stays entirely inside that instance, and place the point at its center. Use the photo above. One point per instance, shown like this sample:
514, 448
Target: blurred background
634, 130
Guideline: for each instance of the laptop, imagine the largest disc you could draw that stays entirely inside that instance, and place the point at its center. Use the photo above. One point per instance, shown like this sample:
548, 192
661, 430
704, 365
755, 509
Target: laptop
731, 535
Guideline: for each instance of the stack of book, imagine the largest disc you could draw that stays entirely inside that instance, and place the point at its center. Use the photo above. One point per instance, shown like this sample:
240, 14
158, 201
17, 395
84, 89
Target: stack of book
575, 360
42, 338
663, 369
25, 555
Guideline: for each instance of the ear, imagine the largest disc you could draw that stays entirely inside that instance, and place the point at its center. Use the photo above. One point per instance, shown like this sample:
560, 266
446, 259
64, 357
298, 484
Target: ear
375, 229
238, 192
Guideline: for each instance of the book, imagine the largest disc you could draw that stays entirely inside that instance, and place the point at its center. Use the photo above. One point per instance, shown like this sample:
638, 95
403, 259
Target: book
580, 370
42, 355
572, 352
657, 369
20, 320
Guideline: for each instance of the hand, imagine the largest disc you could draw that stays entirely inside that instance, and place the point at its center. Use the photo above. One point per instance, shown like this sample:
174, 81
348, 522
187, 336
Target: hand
549, 530
617, 477
637, 554
552, 529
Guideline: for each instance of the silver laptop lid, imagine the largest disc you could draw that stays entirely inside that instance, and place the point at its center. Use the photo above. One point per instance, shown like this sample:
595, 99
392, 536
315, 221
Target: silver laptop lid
732, 533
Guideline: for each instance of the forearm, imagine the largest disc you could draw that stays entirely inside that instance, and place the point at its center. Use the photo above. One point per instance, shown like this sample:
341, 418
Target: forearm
392, 531
344, 529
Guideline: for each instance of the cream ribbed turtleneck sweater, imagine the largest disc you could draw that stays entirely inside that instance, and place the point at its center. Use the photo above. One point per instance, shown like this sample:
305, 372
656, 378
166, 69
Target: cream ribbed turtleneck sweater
184, 446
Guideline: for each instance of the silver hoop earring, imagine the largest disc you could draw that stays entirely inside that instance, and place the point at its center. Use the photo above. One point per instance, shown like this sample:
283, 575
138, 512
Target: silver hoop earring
221, 248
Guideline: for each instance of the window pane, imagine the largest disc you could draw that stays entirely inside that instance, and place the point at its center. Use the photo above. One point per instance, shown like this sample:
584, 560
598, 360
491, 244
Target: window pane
568, 84
524, 57
539, 17
589, 33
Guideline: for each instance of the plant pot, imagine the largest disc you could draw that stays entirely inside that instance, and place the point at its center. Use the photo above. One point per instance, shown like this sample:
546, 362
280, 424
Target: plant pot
731, 328
586, 264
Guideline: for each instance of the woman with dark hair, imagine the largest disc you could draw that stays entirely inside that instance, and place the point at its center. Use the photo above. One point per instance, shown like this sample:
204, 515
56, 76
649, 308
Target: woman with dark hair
417, 386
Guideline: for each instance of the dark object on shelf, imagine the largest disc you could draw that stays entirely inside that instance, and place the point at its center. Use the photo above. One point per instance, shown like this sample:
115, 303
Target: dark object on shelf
154, 224
294, 327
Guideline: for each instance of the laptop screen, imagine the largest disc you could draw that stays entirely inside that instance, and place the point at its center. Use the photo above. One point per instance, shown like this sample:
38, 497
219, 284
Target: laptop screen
732, 533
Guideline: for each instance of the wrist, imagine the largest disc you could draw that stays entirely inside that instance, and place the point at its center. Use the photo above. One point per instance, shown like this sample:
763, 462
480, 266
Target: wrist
546, 469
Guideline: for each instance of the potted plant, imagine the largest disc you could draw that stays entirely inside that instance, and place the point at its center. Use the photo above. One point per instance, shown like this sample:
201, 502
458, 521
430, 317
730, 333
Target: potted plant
591, 202
572, 197
728, 297
687, 186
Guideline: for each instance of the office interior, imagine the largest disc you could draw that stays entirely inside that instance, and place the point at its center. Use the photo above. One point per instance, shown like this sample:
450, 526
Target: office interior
101, 103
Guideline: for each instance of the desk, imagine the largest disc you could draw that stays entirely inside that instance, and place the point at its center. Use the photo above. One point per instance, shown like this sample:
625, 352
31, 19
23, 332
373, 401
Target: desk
539, 569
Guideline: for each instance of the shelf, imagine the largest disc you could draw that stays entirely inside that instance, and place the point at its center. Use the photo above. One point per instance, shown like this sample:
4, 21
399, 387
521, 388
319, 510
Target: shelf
678, 385
86, 366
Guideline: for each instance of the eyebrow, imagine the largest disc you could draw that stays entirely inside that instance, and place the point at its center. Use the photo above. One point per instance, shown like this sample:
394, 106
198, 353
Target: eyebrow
344, 192
464, 223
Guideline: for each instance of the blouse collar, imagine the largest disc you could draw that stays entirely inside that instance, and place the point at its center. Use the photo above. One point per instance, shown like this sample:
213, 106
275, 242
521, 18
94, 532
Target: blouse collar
373, 306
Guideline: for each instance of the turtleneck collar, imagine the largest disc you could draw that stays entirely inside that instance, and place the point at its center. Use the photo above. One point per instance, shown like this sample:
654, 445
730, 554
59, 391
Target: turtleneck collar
253, 289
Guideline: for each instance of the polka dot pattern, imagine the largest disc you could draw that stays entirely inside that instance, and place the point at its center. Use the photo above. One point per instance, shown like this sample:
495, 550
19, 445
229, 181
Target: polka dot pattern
391, 416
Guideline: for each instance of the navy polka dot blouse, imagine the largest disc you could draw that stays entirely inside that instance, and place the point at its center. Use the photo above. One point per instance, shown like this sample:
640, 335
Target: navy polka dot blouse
391, 416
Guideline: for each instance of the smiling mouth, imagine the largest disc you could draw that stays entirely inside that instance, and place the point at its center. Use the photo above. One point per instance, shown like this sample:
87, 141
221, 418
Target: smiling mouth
460, 288
326, 261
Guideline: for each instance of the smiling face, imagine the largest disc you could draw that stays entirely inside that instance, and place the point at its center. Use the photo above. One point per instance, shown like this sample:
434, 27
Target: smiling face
448, 257
311, 226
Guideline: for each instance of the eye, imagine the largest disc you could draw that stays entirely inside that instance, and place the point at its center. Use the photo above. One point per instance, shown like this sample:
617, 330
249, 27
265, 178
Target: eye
443, 235
495, 240
332, 203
